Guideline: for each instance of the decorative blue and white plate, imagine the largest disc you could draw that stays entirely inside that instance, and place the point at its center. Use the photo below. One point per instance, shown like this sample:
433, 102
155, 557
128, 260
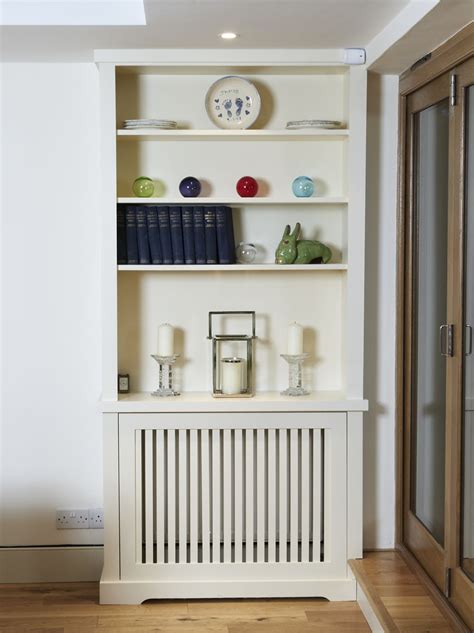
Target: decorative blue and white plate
233, 103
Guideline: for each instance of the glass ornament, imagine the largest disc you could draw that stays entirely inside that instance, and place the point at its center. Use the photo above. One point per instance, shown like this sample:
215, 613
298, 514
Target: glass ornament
143, 187
303, 187
245, 253
190, 187
247, 187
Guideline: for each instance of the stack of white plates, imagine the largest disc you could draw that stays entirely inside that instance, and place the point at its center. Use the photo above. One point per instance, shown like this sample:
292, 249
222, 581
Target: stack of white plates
314, 123
161, 124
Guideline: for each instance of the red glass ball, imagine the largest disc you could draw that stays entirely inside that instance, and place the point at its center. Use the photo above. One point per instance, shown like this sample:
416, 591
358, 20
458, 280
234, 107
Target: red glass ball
247, 187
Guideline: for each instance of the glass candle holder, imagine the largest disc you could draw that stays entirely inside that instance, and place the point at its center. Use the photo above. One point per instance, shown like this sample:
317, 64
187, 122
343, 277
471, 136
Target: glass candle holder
295, 374
165, 385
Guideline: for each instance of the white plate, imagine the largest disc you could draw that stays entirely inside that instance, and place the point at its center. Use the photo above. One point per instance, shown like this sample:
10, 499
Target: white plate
172, 127
167, 121
314, 123
233, 103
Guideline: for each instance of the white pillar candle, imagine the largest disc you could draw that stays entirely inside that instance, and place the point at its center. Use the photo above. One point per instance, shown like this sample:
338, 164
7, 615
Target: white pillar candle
165, 340
232, 375
295, 339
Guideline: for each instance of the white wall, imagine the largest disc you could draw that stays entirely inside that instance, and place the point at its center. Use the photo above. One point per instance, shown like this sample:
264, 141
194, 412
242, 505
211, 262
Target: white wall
380, 301
51, 330
51, 456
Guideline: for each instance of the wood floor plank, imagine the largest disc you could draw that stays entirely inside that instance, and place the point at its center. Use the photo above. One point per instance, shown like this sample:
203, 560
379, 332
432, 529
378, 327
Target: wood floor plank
262, 608
310, 627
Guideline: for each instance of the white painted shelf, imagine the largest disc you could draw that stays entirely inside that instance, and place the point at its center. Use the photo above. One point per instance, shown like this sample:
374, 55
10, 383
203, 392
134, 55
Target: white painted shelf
203, 401
235, 201
264, 135
191, 268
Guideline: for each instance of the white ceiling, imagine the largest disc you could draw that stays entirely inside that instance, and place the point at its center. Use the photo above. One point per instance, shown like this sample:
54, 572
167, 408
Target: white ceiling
69, 12
197, 23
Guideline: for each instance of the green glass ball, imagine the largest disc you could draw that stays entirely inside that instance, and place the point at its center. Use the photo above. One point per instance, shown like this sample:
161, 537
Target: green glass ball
143, 187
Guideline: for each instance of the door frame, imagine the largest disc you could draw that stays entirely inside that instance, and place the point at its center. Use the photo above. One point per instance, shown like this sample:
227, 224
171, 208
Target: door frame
449, 55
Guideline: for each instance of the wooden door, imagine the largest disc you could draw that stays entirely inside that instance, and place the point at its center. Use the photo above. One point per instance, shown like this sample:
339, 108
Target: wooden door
427, 317
438, 319
460, 440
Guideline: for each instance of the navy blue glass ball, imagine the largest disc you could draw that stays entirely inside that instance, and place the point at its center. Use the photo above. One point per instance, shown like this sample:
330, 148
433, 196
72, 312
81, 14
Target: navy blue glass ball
190, 187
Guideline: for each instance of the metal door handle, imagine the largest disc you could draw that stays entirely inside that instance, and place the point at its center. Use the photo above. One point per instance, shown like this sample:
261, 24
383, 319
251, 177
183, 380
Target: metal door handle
446, 347
468, 344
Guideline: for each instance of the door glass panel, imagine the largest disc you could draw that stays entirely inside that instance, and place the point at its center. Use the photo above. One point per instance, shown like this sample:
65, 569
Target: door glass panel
429, 366
468, 400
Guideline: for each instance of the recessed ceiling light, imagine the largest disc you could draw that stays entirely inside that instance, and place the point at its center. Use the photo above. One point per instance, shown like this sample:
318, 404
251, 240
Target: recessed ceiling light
228, 35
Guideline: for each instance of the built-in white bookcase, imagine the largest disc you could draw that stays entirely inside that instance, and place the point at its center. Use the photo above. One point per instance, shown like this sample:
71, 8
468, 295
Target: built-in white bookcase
326, 299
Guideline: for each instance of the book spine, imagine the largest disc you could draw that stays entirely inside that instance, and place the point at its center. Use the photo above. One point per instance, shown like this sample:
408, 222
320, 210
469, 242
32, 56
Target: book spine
210, 235
154, 235
199, 236
176, 235
132, 241
225, 235
165, 234
188, 235
121, 235
142, 236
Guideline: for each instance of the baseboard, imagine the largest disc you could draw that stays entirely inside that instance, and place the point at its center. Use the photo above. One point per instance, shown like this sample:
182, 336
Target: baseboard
136, 591
51, 564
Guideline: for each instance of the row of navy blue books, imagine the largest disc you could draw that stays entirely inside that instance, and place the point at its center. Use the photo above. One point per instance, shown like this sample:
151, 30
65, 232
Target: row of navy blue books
149, 234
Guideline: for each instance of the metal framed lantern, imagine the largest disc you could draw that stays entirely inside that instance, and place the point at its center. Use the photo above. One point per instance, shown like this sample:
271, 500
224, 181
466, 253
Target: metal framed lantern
232, 359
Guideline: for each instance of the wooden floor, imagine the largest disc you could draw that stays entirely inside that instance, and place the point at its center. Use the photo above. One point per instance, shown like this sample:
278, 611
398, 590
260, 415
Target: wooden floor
400, 601
74, 608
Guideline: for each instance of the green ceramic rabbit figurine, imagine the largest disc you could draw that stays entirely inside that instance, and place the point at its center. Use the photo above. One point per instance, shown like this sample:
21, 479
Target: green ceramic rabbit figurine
293, 251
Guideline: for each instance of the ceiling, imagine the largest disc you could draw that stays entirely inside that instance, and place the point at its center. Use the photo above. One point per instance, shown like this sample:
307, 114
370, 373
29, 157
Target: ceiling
448, 17
197, 23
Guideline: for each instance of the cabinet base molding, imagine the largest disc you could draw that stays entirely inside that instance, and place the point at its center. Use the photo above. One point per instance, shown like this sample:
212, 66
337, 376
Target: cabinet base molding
136, 592
51, 564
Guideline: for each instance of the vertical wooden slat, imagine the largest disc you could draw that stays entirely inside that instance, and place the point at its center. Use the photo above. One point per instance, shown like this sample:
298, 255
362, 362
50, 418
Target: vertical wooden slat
316, 495
171, 496
327, 496
149, 505
305, 499
294, 495
183, 496
283, 523
261, 500
138, 498
227, 495
272, 519
216, 496
205, 497
160, 496
193, 496
238, 507
249, 487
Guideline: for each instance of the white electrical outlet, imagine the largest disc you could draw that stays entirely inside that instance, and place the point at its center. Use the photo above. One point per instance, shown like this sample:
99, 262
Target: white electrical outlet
72, 519
96, 518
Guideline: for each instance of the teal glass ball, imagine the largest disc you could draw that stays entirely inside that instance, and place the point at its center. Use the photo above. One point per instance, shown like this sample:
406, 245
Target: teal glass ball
143, 187
303, 187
